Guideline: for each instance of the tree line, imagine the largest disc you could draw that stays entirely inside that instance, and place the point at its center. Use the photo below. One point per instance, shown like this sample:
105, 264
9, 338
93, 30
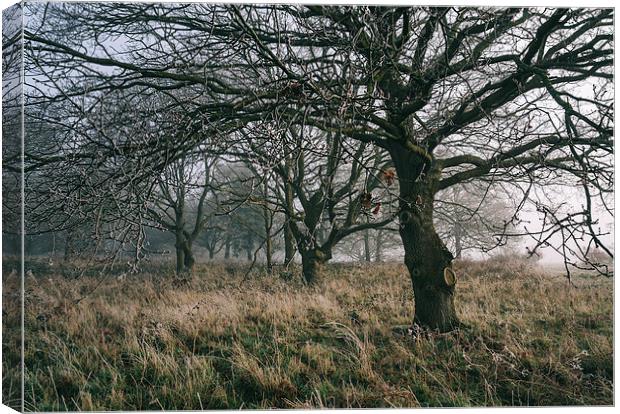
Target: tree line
329, 120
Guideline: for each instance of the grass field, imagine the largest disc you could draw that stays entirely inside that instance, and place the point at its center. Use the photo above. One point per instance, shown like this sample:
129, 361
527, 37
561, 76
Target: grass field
150, 341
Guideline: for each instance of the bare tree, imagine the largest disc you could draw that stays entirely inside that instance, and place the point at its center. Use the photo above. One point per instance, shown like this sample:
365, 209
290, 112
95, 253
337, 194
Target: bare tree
186, 201
328, 187
454, 95
373, 245
474, 217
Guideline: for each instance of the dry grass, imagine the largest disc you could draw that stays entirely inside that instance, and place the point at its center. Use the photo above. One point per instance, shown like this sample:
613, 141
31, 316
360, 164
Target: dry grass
150, 342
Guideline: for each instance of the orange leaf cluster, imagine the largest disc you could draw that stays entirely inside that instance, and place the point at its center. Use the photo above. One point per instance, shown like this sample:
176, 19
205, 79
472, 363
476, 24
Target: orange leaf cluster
388, 176
377, 208
367, 203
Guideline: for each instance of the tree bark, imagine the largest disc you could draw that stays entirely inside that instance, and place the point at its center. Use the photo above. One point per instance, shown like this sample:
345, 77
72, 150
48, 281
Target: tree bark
180, 258
185, 258
289, 244
311, 262
188, 261
428, 260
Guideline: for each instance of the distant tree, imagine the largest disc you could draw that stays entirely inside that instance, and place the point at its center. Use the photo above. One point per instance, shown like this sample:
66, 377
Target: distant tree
244, 208
213, 236
372, 245
599, 260
474, 217
328, 187
185, 202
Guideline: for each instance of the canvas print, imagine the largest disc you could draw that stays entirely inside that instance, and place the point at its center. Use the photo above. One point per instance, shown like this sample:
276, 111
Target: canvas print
215, 206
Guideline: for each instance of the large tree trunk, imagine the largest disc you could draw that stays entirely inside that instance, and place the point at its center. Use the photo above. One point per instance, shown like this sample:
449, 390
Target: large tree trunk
180, 252
188, 261
289, 244
311, 262
429, 264
185, 258
428, 260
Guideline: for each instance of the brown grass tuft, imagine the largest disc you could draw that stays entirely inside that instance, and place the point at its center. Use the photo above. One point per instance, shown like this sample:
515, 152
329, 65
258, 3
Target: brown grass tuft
144, 342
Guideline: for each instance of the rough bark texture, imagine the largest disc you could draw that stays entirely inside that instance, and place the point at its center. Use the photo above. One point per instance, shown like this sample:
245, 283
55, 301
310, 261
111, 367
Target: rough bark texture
289, 245
311, 261
426, 256
185, 258
188, 261
180, 258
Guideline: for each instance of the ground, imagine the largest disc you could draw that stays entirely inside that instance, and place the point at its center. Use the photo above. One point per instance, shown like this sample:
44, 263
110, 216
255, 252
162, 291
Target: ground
149, 341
